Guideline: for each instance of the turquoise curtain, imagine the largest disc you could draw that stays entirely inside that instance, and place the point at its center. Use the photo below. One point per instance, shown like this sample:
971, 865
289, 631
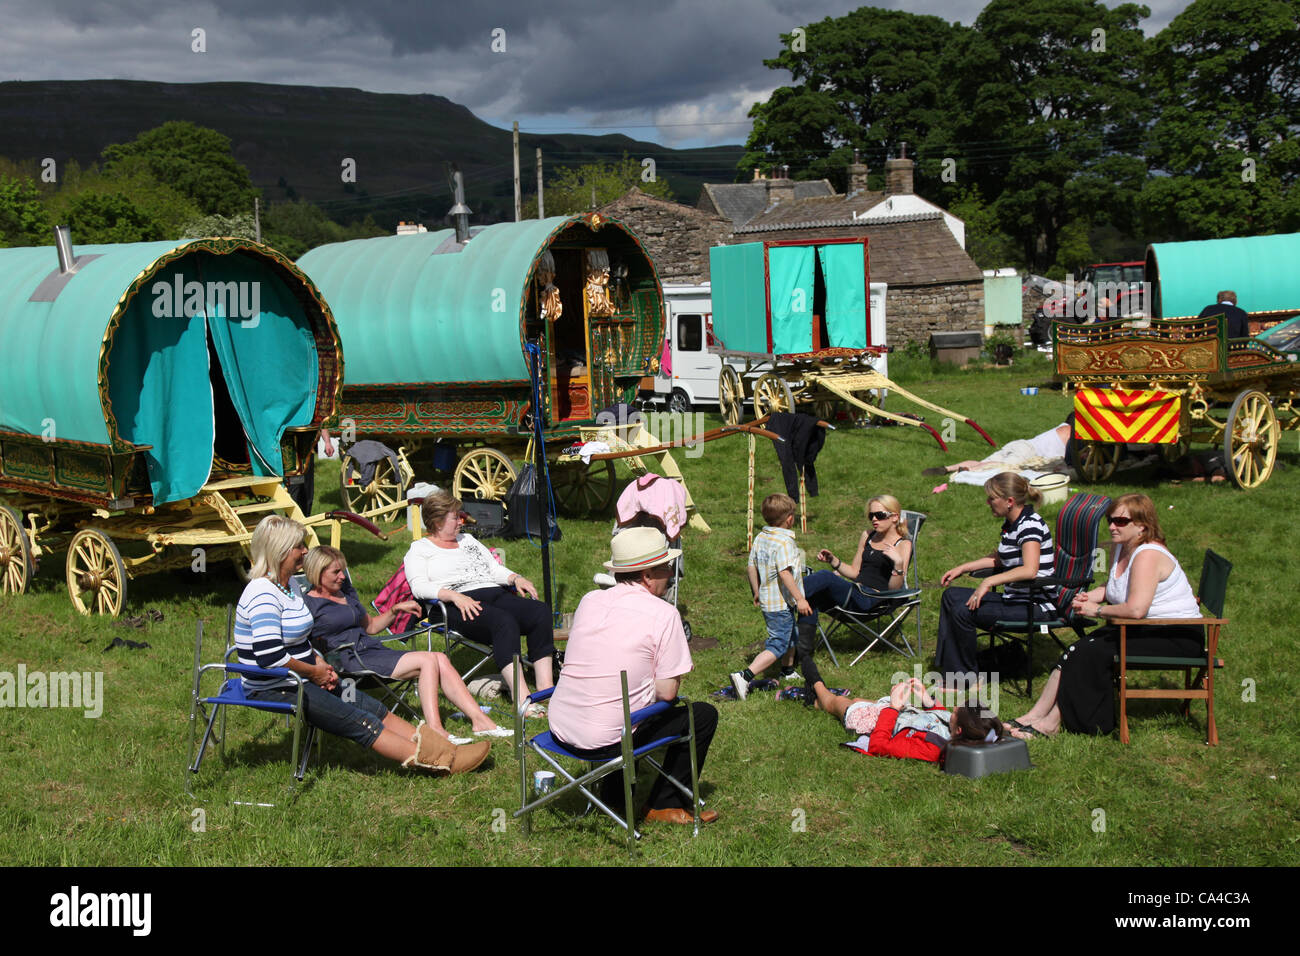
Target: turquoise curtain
790, 272
158, 384
844, 272
268, 359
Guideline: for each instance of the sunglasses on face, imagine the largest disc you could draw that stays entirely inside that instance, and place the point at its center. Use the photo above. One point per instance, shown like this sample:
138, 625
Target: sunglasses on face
1118, 521
878, 515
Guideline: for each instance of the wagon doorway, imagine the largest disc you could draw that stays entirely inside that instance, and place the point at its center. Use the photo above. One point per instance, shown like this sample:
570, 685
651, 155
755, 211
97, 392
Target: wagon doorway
568, 341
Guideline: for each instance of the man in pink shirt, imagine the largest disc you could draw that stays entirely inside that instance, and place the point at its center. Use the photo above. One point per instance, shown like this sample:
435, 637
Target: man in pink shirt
630, 628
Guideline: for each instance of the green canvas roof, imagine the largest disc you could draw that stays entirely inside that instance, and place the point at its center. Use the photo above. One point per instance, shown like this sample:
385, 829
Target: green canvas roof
1264, 271
411, 309
122, 351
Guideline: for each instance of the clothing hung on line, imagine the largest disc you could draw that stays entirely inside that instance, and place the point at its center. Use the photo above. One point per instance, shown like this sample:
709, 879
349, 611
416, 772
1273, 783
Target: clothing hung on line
804, 438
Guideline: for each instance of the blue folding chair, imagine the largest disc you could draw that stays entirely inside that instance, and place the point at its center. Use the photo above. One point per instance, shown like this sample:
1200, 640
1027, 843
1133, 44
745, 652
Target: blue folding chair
232, 694
545, 746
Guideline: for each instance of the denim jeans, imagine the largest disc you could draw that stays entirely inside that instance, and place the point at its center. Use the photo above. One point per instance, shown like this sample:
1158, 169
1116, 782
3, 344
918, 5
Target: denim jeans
362, 720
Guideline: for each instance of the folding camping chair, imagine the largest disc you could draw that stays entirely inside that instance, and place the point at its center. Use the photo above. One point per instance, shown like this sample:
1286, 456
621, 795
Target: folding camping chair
1075, 545
893, 608
545, 746
394, 692
1199, 686
231, 694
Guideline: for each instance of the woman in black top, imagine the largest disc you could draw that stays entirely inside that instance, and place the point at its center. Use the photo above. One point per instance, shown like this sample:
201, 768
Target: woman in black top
880, 564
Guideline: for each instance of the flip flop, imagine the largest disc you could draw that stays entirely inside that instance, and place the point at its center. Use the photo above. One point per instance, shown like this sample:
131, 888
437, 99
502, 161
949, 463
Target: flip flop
1035, 732
1017, 725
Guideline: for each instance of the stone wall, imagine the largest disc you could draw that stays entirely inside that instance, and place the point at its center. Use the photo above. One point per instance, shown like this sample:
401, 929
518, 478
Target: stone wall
913, 312
677, 237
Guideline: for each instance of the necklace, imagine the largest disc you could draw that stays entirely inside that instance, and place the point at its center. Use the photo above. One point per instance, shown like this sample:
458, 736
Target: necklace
287, 591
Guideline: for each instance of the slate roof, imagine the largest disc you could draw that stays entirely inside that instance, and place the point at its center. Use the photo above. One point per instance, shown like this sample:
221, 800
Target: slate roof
741, 202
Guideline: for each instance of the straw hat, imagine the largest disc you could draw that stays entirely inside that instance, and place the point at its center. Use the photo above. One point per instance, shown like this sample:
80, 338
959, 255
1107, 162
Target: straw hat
636, 549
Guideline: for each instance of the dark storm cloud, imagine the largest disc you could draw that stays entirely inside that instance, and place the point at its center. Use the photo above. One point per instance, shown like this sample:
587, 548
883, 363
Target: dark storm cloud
648, 62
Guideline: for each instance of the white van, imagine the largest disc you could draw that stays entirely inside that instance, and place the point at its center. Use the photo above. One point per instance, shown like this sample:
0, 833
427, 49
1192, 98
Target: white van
688, 328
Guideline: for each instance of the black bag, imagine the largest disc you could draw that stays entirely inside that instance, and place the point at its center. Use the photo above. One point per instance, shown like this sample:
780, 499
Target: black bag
525, 519
489, 518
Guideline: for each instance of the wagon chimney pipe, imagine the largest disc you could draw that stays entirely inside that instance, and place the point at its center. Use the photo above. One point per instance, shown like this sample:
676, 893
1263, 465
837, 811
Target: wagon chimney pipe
63, 243
460, 212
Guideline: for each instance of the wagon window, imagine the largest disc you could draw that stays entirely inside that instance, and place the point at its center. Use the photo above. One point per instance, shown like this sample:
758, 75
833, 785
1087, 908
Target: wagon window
690, 336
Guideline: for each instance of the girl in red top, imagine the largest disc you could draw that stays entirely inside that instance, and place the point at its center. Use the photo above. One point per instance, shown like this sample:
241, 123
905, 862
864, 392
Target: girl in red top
877, 721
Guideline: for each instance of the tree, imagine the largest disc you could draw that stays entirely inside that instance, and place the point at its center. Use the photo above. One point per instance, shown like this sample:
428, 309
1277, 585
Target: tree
569, 191
94, 204
23, 220
1226, 77
193, 160
866, 81
295, 227
1048, 117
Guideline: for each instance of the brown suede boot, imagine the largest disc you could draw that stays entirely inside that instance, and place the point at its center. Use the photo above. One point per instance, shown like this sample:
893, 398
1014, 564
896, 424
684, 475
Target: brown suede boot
436, 753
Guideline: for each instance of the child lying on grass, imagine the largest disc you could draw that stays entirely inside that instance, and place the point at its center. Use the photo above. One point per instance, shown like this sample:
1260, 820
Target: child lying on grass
890, 727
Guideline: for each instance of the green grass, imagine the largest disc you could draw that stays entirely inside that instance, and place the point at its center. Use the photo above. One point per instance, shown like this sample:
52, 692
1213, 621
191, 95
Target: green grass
109, 791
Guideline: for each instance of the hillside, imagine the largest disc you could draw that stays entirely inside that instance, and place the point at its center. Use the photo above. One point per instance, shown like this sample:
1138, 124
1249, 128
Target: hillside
293, 140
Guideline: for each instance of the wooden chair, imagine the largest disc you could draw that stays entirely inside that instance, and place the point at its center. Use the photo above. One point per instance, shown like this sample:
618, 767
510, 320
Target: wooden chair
1211, 593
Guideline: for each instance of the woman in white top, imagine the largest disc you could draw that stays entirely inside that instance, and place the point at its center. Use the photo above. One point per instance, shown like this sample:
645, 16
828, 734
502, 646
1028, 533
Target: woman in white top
1145, 581
486, 601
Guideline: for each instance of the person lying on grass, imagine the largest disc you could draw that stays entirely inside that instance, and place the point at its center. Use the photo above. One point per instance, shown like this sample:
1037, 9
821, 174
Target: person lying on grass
890, 727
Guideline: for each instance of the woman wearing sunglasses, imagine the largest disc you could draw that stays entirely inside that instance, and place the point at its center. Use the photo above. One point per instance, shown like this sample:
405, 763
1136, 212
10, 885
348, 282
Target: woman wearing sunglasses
1145, 581
485, 600
880, 564
1025, 552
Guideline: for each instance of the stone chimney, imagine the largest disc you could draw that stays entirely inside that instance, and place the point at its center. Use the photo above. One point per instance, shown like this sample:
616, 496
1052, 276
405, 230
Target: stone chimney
898, 175
857, 175
780, 188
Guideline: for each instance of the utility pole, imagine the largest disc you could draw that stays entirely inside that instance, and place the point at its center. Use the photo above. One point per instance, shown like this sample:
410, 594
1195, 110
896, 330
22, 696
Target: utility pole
541, 210
518, 205
257, 218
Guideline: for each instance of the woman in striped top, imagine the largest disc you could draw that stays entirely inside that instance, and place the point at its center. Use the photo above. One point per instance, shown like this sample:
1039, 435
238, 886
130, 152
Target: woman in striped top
1024, 552
272, 630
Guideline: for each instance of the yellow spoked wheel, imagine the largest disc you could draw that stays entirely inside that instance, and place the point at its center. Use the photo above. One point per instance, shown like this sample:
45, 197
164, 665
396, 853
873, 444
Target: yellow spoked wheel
384, 489
582, 490
731, 395
1096, 460
1250, 438
96, 574
484, 474
825, 409
15, 553
772, 394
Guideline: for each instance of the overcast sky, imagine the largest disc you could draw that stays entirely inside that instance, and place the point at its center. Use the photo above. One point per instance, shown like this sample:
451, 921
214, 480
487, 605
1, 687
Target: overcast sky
677, 72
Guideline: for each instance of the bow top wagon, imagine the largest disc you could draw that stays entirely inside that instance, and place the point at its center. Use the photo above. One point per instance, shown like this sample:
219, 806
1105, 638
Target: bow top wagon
440, 336
154, 396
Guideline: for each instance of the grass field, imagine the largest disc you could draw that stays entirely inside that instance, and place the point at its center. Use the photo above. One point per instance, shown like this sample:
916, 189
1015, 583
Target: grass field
109, 791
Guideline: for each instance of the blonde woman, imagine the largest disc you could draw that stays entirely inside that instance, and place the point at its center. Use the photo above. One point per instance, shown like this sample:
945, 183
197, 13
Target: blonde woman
879, 564
272, 631
341, 620
486, 601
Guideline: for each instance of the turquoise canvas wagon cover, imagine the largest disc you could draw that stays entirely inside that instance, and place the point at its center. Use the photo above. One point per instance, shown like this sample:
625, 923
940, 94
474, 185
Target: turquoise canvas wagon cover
791, 298
196, 354
1264, 271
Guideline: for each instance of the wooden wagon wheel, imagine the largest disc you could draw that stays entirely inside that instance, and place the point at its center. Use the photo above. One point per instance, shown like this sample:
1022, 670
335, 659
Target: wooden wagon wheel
772, 394
825, 409
731, 395
96, 574
384, 489
484, 474
1096, 460
582, 490
1250, 438
15, 553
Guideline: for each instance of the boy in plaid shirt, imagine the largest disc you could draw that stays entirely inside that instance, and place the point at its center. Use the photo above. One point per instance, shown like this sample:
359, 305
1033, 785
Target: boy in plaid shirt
774, 566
